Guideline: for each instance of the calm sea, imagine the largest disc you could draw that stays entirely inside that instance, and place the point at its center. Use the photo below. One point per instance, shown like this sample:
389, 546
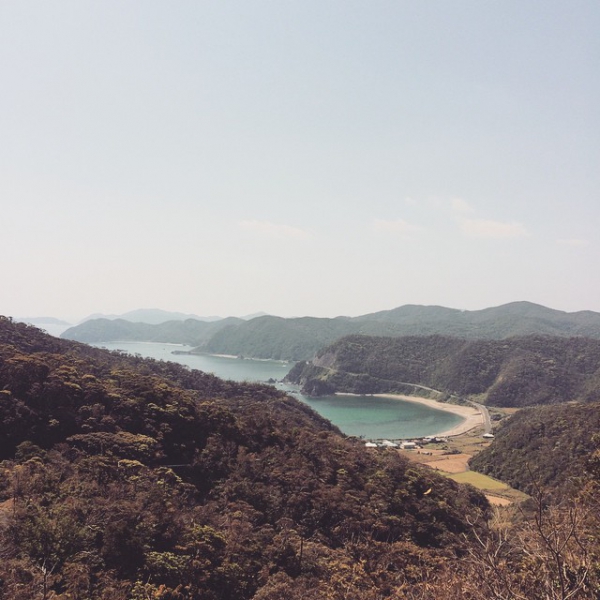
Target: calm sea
367, 416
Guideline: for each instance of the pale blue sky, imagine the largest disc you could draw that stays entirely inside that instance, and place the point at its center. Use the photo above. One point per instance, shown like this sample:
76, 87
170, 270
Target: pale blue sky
309, 157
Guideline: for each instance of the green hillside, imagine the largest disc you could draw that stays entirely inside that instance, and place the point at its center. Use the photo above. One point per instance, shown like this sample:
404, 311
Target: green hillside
301, 338
190, 331
513, 372
278, 338
507, 320
548, 446
131, 479
127, 478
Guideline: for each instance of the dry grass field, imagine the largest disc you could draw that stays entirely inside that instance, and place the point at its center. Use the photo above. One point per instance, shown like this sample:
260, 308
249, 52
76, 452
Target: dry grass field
452, 459
481, 482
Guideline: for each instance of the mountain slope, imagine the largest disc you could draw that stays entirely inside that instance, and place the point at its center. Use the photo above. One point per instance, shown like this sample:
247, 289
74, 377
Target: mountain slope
190, 331
517, 371
299, 339
507, 320
547, 446
128, 478
278, 338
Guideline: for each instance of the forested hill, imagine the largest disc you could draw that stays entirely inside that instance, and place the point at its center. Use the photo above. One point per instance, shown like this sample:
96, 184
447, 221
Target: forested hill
189, 331
301, 338
278, 338
545, 446
519, 371
125, 478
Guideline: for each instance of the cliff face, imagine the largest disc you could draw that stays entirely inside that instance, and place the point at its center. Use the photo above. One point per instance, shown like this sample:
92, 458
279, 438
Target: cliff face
326, 360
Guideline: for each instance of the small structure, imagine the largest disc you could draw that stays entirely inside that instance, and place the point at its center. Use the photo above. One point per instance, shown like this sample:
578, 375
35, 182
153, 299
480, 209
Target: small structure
488, 436
408, 446
388, 444
370, 445
432, 439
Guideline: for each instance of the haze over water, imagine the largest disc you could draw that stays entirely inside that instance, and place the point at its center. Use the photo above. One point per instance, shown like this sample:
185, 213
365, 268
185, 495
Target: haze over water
368, 416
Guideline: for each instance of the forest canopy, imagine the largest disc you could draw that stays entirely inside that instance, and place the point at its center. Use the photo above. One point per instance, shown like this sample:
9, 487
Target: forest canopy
514, 372
130, 478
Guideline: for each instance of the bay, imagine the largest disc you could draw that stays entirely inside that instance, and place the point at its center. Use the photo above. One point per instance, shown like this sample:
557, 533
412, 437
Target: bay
371, 417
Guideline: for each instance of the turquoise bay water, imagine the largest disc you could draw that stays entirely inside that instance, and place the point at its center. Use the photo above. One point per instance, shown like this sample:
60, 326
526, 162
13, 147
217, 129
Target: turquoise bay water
383, 418
367, 416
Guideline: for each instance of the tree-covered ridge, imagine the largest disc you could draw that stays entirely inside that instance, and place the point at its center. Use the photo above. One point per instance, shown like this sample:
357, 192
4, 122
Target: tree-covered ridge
278, 338
549, 446
189, 331
301, 338
135, 479
126, 478
513, 372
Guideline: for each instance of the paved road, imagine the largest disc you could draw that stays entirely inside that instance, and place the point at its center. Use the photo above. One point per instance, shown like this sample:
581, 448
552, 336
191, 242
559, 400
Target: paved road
485, 413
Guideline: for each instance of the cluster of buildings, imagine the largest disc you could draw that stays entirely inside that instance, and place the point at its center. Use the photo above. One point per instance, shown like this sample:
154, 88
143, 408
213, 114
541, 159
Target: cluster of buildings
406, 444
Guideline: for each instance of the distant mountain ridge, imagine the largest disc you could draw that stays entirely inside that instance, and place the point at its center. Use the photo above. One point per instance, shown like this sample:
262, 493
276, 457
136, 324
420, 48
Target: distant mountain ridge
156, 316
190, 332
301, 338
42, 321
152, 316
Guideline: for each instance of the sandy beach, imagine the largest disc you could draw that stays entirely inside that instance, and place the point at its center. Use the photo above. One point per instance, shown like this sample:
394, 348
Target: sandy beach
473, 417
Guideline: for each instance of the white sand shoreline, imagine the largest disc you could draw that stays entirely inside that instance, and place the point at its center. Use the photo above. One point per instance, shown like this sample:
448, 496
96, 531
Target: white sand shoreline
472, 416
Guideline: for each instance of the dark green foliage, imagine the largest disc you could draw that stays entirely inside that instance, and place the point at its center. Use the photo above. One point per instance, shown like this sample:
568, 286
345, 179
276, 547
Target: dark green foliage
301, 338
277, 338
513, 372
546, 445
128, 478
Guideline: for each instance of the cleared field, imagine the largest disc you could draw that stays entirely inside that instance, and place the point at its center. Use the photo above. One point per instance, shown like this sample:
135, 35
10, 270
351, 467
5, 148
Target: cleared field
454, 463
442, 459
481, 482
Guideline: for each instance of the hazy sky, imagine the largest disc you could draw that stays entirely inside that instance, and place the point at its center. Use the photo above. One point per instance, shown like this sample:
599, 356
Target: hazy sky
298, 157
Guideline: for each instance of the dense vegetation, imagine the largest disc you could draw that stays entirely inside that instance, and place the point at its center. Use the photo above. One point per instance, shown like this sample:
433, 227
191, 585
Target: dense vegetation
548, 446
514, 372
301, 338
129, 478
277, 338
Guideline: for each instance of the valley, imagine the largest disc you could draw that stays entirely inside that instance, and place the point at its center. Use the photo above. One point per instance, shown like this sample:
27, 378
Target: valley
238, 475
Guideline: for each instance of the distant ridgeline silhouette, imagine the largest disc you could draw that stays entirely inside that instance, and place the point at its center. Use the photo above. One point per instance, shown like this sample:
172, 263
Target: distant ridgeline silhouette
301, 338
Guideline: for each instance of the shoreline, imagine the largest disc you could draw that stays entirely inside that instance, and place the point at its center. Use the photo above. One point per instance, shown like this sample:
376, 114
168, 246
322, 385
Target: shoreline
471, 415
